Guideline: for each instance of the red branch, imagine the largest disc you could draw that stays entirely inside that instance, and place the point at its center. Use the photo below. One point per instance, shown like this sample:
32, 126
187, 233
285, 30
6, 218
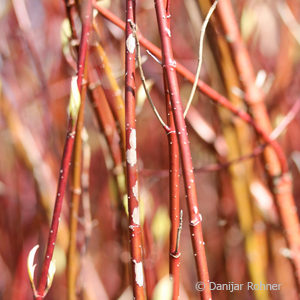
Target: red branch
174, 175
174, 195
62, 182
66, 159
185, 153
131, 156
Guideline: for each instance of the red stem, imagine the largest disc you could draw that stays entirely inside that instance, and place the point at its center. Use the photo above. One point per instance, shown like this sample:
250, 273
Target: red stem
185, 153
63, 177
66, 159
131, 156
174, 175
174, 195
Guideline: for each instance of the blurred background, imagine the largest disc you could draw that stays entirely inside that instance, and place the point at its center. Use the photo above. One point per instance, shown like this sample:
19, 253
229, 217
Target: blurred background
37, 59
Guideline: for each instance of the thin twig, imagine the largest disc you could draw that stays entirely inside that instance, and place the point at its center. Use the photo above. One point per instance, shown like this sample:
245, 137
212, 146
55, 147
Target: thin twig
200, 58
154, 57
139, 61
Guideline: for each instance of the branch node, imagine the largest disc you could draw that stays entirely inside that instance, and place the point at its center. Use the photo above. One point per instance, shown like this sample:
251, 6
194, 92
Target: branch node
196, 220
171, 131
175, 255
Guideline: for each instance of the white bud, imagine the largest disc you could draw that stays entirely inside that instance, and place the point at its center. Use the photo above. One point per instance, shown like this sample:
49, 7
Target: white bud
74, 103
50, 276
30, 266
130, 43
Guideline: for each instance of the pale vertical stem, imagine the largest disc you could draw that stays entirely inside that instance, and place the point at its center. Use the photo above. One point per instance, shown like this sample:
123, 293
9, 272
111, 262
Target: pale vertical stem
131, 156
187, 166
